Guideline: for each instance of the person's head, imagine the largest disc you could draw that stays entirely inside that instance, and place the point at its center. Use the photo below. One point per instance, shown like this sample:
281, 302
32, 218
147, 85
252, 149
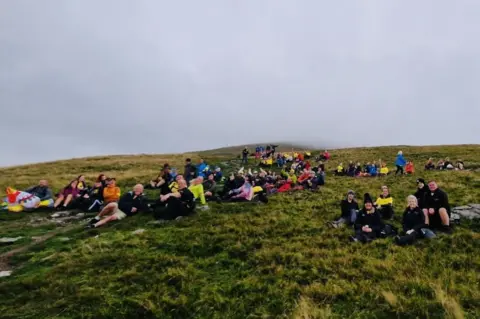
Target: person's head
178, 177
432, 185
350, 195
211, 177
101, 178
400, 153
97, 184
367, 201
420, 183
412, 201
199, 179
385, 190
201, 161
166, 165
43, 182
73, 184
81, 178
182, 184
138, 189
111, 182
188, 161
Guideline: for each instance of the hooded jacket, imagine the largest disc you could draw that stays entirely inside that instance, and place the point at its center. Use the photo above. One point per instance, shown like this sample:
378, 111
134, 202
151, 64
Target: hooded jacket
347, 206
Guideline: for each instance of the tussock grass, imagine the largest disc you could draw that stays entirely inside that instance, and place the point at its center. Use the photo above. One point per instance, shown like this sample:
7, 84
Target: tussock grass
246, 261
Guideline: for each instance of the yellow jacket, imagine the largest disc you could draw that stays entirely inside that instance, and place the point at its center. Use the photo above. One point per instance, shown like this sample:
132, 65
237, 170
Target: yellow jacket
381, 201
111, 194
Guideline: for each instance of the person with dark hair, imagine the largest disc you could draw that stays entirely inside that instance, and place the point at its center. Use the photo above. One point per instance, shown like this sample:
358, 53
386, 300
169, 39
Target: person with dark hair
111, 192
413, 224
422, 189
245, 153
66, 197
102, 178
384, 204
189, 170
368, 224
437, 208
349, 208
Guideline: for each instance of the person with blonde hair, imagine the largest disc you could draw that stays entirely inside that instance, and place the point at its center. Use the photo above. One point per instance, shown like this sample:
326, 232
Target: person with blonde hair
413, 223
400, 163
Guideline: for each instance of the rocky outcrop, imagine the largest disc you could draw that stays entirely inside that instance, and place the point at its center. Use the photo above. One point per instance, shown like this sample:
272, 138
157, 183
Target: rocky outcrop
471, 211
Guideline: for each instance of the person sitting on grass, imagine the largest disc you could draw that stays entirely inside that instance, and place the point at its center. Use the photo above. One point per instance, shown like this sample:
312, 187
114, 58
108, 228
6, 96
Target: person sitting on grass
413, 224
409, 168
67, 196
429, 165
178, 204
129, 204
437, 208
440, 164
111, 193
422, 189
351, 169
243, 193
93, 199
196, 187
448, 164
384, 204
349, 208
368, 224
459, 165
82, 185
42, 191
339, 171
384, 171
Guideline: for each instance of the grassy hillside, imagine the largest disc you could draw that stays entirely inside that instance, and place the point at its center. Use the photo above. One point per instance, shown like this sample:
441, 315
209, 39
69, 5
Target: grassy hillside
244, 261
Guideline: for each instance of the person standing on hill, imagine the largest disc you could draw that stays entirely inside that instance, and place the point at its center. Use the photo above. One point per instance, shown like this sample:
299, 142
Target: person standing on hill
437, 208
245, 153
400, 163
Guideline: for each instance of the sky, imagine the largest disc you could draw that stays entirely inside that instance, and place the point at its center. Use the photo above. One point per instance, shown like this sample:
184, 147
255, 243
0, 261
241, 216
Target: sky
87, 77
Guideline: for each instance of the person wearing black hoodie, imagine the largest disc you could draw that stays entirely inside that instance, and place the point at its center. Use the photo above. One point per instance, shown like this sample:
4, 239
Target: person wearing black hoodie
189, 170
436, 208
413, 224
368, 224
422, 189
349, 207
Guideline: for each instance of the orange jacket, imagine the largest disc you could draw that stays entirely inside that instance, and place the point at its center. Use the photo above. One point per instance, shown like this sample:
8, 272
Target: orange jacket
111, 194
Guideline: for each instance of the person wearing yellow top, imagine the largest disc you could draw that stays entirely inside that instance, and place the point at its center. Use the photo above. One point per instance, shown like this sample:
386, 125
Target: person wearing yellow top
384, 169
196, 187
292, 177
339, 171
112, 192
384, 204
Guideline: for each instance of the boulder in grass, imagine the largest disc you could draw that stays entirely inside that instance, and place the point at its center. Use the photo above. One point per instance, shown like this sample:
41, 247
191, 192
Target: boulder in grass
5, 273
9, 240
471, 211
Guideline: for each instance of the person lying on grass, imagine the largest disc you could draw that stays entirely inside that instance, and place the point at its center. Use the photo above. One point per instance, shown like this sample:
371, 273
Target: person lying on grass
384, 204
67, 196
177, 204
413, 224
349, 208
368, 224
129, 204
436, 208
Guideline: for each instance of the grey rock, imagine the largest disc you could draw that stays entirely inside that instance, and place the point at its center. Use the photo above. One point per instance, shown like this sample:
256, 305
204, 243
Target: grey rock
9, 240
5, 273
138, 231
63, 239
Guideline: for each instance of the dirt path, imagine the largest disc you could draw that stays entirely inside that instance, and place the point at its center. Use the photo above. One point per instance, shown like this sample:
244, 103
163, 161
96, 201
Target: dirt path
5, 257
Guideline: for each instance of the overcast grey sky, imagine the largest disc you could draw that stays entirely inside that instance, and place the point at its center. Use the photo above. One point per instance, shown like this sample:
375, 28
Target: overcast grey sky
85, 77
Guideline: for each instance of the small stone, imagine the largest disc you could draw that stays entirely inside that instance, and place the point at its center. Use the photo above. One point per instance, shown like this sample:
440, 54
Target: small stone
80, 215
138, 231
5, 273
9, 240
64, 239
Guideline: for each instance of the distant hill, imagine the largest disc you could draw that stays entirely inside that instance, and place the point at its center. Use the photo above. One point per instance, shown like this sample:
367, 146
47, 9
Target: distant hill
237, 149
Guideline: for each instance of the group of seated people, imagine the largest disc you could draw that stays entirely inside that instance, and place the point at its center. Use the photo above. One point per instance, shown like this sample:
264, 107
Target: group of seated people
268, 158
444, 164
370, 169
427, 212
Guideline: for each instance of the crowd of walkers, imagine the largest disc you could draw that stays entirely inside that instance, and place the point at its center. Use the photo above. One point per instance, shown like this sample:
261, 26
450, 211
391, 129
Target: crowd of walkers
179, 195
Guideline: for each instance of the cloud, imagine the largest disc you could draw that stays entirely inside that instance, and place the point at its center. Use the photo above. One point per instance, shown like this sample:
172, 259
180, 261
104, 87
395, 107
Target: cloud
84, 78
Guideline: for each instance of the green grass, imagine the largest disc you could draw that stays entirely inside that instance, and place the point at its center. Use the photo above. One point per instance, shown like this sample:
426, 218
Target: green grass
246, 261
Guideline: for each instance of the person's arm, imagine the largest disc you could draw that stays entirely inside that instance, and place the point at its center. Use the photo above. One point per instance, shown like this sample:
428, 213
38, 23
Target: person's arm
28, 190
404, 226
48, 195
421, 223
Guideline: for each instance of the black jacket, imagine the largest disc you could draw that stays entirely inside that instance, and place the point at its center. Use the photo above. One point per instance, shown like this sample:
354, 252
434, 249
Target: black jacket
436, 200
373, 220
209, 186
420, 195
189, 171
128, 201
413, 219
347, 207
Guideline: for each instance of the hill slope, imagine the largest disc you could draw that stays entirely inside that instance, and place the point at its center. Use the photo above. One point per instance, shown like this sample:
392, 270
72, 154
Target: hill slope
239, 260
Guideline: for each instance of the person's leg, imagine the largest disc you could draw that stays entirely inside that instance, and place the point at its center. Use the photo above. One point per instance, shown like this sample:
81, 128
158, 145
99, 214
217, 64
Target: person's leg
197, 191
444, 217
406, 240
67, 200
427, 218
105, 220
108, 209
58, 201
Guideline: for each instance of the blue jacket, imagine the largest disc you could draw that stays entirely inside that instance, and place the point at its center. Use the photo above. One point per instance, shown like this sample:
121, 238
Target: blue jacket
400, 160
372, 170
201, 168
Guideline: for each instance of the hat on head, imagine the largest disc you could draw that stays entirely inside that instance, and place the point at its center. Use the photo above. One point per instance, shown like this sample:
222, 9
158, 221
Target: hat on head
420, 180
367, 198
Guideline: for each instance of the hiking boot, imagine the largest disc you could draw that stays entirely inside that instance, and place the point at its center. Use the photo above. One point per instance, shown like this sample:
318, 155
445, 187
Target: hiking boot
93, 221
446, 229
397, 240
